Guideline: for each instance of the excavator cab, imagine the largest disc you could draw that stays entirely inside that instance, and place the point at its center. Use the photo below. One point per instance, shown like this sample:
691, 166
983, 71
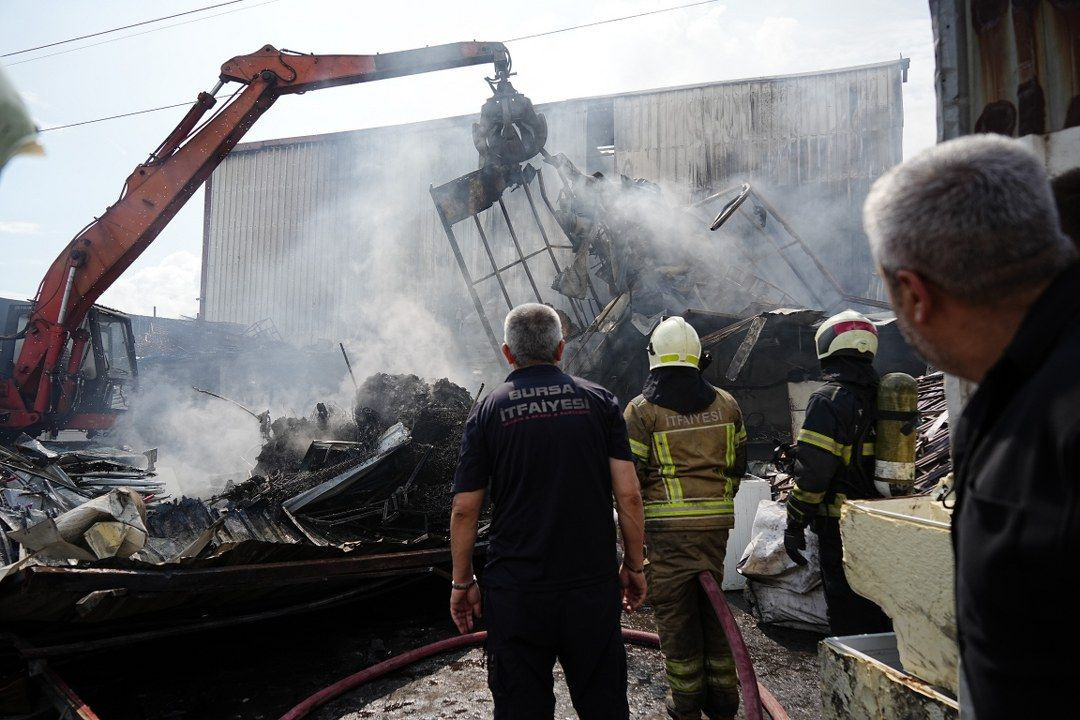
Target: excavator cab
108, 372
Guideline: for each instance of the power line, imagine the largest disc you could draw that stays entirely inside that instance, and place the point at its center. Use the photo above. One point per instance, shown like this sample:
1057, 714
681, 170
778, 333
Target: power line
117, 29
114, 117
524, 37
143, 32
611, 20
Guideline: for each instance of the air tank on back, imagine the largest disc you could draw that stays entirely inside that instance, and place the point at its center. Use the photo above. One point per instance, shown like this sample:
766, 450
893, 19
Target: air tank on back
894, 448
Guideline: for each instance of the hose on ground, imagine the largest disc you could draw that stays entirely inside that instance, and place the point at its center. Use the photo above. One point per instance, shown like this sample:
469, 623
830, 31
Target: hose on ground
755, 695
634, 637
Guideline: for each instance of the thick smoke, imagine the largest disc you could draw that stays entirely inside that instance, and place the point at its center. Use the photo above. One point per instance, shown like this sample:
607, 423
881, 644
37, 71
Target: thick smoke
377, 281
202, 442
370, 298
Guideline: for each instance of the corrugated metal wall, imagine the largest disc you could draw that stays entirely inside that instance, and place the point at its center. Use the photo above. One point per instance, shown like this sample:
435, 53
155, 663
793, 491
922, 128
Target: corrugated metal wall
311, 231
812, 144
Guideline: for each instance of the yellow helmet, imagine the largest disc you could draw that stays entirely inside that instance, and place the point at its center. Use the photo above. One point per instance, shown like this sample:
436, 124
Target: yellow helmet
674, 343
846, 333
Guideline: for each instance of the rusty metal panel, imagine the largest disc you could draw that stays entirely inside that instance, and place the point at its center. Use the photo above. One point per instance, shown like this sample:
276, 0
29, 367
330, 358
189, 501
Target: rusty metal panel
1009, 68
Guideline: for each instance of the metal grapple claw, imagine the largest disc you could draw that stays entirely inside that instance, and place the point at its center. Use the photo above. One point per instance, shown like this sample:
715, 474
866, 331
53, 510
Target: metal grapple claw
510, 130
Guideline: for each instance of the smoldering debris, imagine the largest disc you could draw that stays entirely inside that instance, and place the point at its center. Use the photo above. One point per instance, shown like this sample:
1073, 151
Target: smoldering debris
641, 243
362, 482
301, 451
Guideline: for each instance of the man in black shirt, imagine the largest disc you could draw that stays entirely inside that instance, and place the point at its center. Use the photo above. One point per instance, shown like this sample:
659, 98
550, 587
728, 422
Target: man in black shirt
550, 450
987, 287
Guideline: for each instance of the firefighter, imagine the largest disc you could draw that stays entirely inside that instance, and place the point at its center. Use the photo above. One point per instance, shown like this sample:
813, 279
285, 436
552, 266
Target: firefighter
689, 445
834, 461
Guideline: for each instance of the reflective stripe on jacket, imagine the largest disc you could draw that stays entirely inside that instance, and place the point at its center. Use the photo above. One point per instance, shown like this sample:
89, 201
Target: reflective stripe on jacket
689, 465
834, 453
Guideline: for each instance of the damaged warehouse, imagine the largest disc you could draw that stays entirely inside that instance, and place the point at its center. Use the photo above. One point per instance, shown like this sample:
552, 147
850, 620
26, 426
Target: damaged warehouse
256, 512
345, 504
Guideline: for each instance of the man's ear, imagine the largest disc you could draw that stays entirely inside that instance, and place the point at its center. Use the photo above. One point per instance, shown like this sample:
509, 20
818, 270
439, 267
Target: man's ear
914, 297
508, 355
559, 350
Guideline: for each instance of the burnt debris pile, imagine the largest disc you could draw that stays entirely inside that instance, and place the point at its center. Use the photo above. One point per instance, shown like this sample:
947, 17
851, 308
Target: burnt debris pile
371, 480
378, 473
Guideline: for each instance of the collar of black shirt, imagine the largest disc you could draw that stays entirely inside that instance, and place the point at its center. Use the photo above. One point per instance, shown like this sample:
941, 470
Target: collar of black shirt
534, 370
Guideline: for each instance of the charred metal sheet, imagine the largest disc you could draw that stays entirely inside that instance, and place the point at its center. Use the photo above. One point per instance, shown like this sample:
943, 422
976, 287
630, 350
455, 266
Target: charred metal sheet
393, 439
471, 194
743, 353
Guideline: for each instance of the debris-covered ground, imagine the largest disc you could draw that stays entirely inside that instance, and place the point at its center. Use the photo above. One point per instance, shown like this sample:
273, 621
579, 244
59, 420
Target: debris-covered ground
373, 481
259, 671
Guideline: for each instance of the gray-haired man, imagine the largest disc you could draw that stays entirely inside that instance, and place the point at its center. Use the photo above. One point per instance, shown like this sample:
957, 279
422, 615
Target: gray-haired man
550, 449
986, 287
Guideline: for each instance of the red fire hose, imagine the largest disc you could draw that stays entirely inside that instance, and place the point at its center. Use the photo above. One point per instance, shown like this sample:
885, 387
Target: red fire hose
755, 695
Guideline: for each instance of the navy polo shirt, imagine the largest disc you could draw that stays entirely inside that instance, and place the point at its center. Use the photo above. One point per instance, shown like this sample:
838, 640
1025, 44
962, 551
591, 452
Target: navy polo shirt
540, 444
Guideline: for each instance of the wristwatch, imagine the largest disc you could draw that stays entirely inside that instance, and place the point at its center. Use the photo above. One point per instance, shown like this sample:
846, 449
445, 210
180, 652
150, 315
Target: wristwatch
464, 585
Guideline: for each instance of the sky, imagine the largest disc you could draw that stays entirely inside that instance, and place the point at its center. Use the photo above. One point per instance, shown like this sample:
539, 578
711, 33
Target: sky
45, 201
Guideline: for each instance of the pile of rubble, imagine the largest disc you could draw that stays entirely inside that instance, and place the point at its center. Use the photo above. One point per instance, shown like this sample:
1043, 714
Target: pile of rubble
361, 482
42, 480
304, 452
382, 471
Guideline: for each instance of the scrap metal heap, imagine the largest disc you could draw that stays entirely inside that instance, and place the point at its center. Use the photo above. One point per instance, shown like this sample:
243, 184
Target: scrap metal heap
932, 460
644, 245
381, 473
367, 483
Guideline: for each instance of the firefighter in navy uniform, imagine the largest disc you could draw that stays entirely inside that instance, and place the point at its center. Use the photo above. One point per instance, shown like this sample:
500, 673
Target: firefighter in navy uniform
834, 462
690, 449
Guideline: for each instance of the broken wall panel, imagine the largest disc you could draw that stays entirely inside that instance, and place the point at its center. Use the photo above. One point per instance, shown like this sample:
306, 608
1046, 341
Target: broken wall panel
1006, 68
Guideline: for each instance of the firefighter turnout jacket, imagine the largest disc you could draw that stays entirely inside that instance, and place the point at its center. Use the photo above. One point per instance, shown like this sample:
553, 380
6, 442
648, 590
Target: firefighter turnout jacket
834, 452
689, 464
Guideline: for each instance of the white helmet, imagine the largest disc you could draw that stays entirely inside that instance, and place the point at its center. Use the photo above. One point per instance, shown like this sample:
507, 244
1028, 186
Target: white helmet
846, 333
674, 343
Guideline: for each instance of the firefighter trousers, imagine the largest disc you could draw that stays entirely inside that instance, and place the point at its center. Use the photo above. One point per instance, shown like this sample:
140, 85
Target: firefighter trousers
698, 662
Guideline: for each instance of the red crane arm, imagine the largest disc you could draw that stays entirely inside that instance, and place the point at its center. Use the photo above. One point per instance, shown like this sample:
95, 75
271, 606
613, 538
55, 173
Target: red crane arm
158, 188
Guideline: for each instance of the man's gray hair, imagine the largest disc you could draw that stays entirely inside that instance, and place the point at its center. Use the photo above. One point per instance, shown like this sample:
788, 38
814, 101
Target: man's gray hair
533, 333
974, 215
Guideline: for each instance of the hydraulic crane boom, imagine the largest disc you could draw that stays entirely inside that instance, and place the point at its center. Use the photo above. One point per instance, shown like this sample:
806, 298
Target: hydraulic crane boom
44, 379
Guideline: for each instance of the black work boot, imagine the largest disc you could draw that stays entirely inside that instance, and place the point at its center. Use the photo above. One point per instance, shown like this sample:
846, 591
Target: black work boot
676, 713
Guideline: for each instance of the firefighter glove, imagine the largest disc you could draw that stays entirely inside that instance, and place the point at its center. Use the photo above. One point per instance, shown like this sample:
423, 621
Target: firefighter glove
794, 541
